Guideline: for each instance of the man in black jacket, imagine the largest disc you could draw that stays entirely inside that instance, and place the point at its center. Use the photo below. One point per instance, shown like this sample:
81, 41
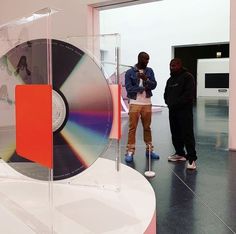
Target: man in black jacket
179, 96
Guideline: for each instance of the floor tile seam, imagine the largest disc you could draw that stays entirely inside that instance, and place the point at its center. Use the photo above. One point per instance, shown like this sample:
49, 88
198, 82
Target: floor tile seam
204, 203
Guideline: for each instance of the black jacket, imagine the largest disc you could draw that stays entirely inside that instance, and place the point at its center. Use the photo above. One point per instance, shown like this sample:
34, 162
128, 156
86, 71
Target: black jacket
180, 90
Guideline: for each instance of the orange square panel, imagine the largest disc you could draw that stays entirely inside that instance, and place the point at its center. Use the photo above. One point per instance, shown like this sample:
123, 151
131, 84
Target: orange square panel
34, 123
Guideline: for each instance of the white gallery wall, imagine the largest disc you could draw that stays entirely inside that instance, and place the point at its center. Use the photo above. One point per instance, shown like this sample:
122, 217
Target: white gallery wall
159, 26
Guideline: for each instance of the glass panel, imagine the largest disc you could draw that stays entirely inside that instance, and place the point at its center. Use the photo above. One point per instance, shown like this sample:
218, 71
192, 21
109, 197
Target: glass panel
81, 146
84, 132
85, 85
26, 172
85, 102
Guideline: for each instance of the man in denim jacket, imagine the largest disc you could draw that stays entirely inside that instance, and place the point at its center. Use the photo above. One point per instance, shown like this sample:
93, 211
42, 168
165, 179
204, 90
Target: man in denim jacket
139, 83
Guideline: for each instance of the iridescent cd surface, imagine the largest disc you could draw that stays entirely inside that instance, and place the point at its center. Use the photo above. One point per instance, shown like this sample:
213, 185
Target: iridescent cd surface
82, 105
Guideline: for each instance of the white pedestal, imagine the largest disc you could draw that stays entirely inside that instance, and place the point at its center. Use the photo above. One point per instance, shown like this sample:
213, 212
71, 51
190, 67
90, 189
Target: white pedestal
99, 200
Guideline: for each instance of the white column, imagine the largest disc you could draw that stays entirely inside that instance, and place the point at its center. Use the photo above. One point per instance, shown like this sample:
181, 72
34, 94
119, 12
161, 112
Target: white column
232, 80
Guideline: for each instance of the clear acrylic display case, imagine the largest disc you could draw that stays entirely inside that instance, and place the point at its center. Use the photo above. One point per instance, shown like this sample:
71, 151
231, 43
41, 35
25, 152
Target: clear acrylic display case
26, 174
70, 85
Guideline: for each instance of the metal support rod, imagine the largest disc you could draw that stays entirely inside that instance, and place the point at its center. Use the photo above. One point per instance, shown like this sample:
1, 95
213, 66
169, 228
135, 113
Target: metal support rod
117, 52
149, 173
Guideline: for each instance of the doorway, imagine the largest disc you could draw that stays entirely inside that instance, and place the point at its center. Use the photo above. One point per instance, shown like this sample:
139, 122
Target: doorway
191, 54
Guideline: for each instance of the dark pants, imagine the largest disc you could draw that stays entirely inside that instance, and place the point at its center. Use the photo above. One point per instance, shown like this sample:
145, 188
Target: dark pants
181, 127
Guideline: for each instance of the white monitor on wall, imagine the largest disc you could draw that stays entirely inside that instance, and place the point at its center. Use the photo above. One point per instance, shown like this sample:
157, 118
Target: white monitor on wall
213, 77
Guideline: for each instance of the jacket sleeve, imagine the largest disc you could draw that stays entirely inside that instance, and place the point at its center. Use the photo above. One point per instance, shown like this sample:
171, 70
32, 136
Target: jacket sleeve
150, 83
187, 95
166, 93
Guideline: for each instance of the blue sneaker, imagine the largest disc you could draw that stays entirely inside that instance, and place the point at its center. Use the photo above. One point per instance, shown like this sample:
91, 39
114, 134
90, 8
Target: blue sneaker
129, 157
153, 155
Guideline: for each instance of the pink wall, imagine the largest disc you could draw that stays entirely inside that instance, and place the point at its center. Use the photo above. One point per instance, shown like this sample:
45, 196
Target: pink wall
232, 84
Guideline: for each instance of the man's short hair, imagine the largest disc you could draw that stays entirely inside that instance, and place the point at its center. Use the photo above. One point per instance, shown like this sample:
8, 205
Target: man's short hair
177, 60
141, 54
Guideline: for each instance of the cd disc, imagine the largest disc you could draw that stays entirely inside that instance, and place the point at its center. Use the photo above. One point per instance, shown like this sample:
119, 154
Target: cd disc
81, 102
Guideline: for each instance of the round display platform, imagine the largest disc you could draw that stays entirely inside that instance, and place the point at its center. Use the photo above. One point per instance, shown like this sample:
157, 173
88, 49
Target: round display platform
98, 200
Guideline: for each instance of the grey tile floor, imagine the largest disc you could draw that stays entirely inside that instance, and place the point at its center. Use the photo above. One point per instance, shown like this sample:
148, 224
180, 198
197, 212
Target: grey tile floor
192, 202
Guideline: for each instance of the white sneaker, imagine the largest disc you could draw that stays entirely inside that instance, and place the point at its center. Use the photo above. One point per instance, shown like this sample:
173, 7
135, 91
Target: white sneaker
176, 157
191, 166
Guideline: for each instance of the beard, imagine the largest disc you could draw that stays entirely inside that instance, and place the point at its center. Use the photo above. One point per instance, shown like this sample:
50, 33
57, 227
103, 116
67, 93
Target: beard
142, 65
173, 73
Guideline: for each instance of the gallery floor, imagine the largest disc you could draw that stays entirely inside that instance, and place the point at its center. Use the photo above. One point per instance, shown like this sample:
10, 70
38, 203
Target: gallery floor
192, 202
187, 202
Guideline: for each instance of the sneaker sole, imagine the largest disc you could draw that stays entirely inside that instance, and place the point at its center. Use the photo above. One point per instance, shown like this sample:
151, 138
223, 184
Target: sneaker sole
191, 168
153, 158
175, 160
129, 160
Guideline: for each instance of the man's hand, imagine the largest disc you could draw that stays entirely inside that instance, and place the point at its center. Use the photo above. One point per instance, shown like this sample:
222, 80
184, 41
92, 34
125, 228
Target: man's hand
142, 76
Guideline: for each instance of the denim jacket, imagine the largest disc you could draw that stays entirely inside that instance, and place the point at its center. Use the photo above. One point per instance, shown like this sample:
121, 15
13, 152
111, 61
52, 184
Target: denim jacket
132, 82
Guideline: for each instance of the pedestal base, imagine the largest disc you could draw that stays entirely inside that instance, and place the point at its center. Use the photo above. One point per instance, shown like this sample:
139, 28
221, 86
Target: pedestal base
99, 200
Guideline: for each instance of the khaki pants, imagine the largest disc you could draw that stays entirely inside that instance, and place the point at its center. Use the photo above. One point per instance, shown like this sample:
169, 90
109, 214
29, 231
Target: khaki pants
145, 113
